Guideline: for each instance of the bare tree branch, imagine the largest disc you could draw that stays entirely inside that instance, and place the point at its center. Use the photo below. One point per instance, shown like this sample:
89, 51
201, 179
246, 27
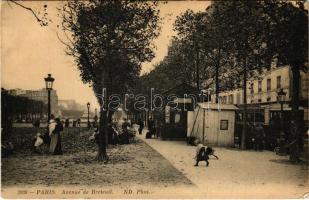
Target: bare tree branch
42, 22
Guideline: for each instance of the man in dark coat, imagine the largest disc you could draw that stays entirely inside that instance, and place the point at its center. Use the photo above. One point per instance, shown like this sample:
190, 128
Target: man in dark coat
151, 125
141, 126
124, 137
67, 123
259, 135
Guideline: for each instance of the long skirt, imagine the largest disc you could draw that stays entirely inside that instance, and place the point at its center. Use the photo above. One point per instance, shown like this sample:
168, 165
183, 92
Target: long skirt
55, 144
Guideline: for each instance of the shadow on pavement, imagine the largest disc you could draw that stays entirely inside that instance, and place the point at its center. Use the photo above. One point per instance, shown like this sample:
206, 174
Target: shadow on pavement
287, 162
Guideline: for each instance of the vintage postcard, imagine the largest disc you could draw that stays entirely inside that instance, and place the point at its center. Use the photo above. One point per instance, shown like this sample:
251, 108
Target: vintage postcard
154, 99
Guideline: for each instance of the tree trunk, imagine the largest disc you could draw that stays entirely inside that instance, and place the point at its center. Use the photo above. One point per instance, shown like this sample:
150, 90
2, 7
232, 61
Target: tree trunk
244, 117
197, 70
295, 91
217, 76
102, 155
296, 133
217, 84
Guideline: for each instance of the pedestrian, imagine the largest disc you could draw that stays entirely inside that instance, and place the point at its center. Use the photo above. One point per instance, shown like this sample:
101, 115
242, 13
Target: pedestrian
67, 123
201, 154
37, 123
294, 143
151, 126
116, 133
259, 132
124, 137
78, 125
7, 148
37, 143
55, 129
51, 124
141, 126
125, 125
94, 124
74, 123
113, 134
95, 135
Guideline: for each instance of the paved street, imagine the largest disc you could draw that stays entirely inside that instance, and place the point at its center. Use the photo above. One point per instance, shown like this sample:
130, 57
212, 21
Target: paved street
250, 173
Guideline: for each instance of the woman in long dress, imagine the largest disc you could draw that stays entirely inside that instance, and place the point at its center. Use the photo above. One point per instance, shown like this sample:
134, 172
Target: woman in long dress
55, 128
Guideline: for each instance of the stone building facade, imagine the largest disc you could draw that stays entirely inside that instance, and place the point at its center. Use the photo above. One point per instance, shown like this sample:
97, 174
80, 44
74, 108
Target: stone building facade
262, 92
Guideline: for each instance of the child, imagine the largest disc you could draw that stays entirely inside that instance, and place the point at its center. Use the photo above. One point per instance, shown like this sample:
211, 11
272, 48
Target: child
38, 141
201, 154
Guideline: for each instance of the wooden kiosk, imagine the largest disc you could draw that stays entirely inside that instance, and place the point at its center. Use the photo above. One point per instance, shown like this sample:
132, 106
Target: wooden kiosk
212, 124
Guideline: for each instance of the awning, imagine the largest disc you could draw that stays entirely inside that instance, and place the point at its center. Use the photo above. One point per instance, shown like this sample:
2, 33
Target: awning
215, 106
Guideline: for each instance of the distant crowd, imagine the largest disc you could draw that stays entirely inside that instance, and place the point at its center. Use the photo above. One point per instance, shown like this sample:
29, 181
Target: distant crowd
119, 132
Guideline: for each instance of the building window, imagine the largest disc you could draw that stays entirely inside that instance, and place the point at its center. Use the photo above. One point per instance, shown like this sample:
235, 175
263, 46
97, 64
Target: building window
238, 98
224, 124
231, 99
260, 86
268, 98
177, 118
252, 88
224, 99
167, 114
278, 82
220, 99
268, 84
260, 100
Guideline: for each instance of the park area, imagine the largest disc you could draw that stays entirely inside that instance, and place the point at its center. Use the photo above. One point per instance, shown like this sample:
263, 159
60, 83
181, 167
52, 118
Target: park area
130, 166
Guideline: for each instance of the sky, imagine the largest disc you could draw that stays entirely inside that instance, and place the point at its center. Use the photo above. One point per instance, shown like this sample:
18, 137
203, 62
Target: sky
29, 51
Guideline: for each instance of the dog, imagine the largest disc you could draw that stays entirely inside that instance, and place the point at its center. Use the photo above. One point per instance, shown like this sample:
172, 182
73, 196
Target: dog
203, 154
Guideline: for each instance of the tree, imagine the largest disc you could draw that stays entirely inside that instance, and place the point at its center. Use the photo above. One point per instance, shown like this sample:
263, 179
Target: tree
216, 45
15, 106
109, 40
243, 24
188, 27
204, 34
262, 31
287, 40
213, 33
178, 63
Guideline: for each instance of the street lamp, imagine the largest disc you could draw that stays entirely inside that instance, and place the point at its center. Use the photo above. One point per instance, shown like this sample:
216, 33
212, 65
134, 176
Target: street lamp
49, 80
281, 95
88, 122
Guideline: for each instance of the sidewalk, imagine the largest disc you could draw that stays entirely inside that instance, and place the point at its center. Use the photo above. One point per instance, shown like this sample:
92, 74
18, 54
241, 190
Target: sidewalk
247, 174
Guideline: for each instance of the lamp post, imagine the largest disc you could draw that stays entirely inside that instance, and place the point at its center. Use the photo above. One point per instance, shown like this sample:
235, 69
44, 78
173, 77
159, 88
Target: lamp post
49, 80
281, 95
88, 122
